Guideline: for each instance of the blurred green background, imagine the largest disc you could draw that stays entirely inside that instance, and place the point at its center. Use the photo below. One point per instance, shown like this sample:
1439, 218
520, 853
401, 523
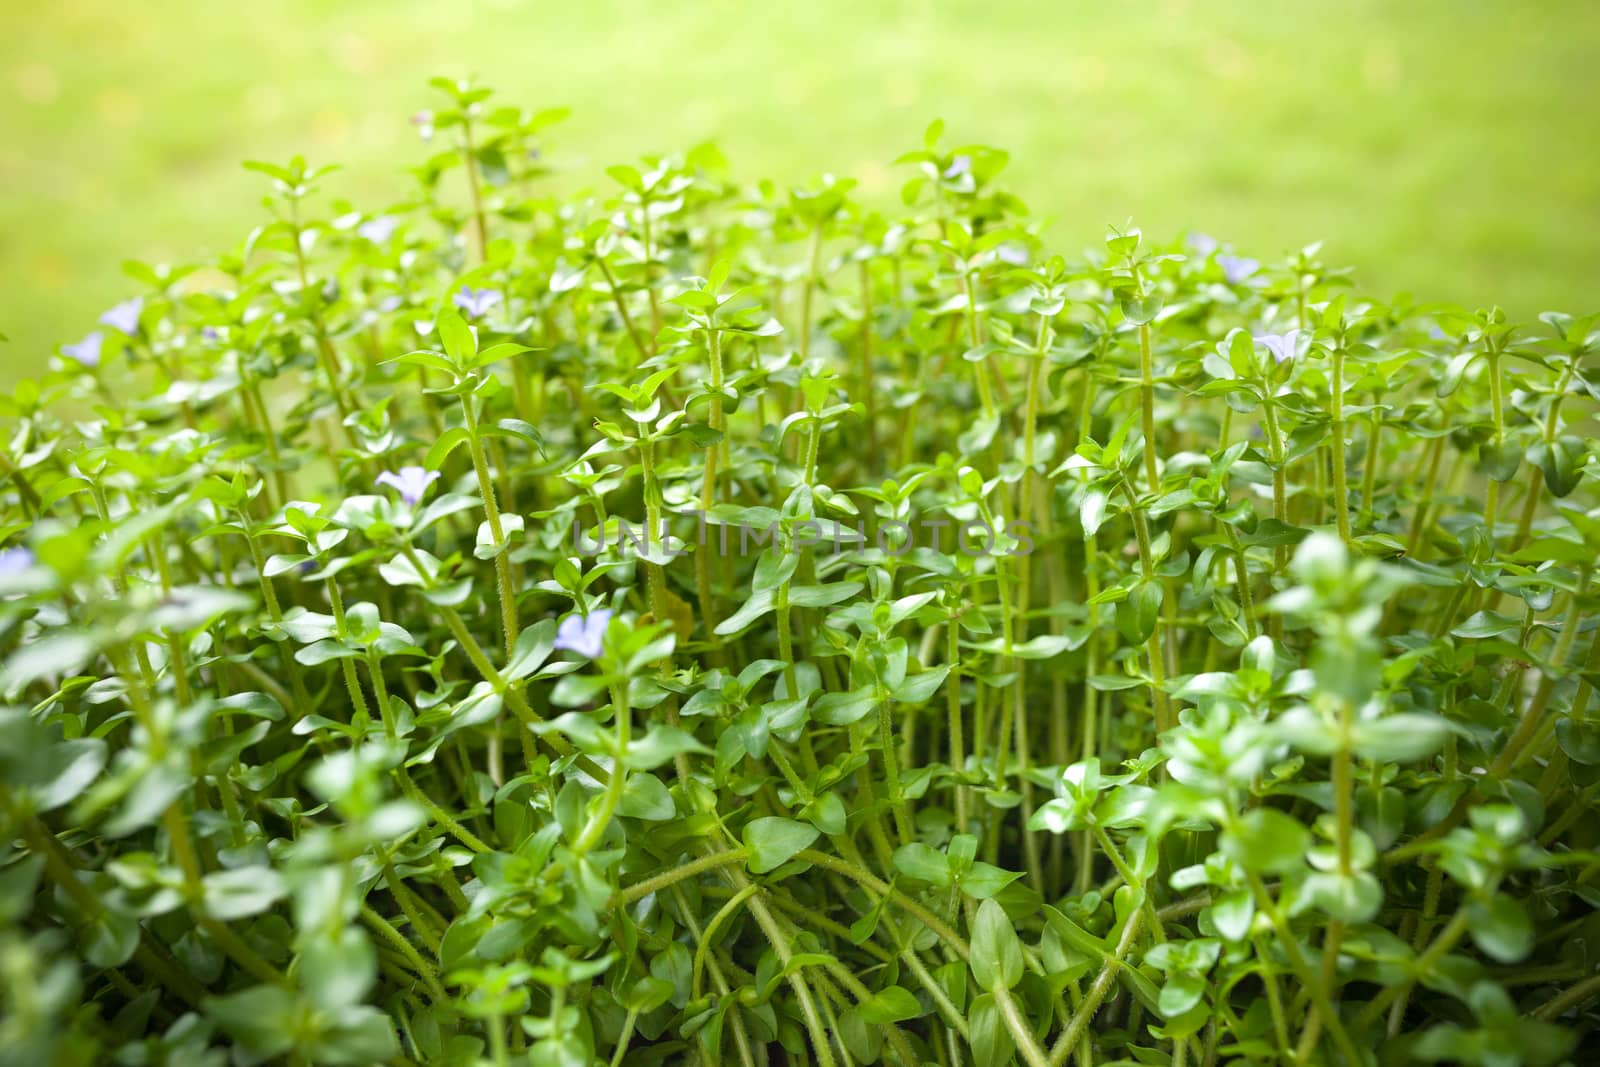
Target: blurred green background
1446, 147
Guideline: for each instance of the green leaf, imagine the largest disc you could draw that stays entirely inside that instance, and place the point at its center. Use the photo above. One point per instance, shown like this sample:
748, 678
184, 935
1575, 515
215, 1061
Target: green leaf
447, 443
1232, 913
647, 994
1488, 624
919, 687
662, 744
626, 176
924, 863
646, 797
1044, 646
996, 959
1181, 992
1267, 841
1400, 737
56, 654
984, 880
1057, 816
1561, 461
426, 360
991, 1040
456, 336
842, 709
260, 1019
338, 972
72, 766
774, 841
1352, 899
242, 892
892, 1005
1501, 928
754, 608
109, 939
1137, 613
363, 1034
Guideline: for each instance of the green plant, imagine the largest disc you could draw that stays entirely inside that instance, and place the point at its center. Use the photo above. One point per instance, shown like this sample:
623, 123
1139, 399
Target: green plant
704, 623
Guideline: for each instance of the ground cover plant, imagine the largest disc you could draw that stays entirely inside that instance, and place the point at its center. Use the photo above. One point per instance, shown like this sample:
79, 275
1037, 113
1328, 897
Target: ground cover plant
702, 622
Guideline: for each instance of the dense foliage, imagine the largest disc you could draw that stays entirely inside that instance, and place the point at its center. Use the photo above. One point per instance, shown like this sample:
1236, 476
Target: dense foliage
700, 623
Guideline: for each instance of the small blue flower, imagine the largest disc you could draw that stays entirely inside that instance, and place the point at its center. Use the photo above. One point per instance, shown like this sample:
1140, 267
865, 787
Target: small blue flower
477, 302
380, 229
410, 482
210, 333
1012, 253
125, 316
1281, 345
1202, 243
87, 351
584, 634
15, 561
1237, 268
958, 166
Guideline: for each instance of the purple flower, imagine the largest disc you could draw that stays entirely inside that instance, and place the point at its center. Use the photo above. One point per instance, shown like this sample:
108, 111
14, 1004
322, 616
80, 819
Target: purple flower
15, 561
410, 482
1281, 345
958, 166
1012, 253
1237, 268
476, 302
87, 351
380, 229
1202, 243
125, 316
584, 634
423, 121
210, 333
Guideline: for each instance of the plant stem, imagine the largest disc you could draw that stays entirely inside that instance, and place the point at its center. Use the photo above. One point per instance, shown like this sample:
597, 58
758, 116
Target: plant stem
868, 385
887, 742
882, 889
708, 492
1147, 408
612, 797
1341, 489
813, 255
1497, 406
1012, 1015
708, 862
1280, 491
1067, 1040
820, 1046
491, 507
1158, 688
952, 688
622, 307
469, 158
974, 340
397, 940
